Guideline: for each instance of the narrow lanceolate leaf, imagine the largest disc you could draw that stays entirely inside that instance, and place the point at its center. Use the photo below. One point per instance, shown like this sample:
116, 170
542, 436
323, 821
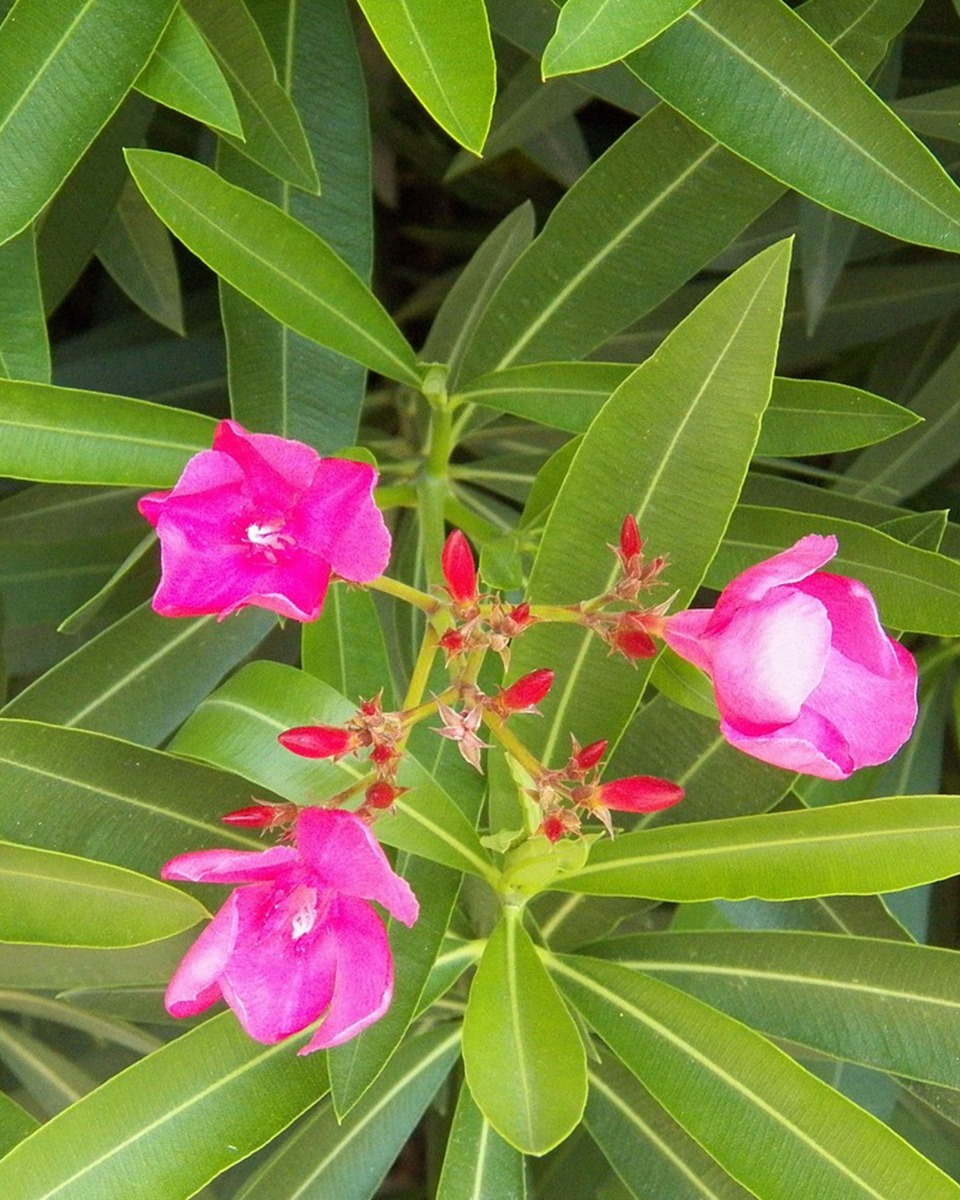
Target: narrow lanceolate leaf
183, 74
272, 132
670, 425
777, 95
274, 261
784, 1134
887, 1004
59, 900
813, 416
478, 1162
63, 435
64, 68
915, 589
444, 54
15, 1123
592, 33
24, 350
143, 1123
522, 1054
857, 848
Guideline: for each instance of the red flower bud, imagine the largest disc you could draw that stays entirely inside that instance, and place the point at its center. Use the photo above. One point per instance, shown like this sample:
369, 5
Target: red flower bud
262, 816
638, 793
319, 741
631, 638
630, 541
526, 693
459, 569
382, 794
520, 615
588, 756
553, 827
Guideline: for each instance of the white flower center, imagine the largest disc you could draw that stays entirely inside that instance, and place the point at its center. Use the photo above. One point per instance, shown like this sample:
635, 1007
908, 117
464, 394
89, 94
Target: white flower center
269, 538
303, 902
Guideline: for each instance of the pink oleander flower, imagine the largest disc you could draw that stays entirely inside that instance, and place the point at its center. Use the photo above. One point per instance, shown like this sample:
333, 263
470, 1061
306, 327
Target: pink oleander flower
804, 675
263, 520
300, 940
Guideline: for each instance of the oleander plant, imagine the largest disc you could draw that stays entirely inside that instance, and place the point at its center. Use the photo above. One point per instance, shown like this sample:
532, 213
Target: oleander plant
479, 599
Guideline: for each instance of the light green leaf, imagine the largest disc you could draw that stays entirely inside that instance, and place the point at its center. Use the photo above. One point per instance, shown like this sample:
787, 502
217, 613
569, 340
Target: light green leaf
781, 98
783, 1134
856, 848
64, 69
24, 350
273, 260
345, 648
142, 1124
593, 33
812, 416
522, 1054
15, 1123
478, 1162
60, 900
273, 135
183, 74
444, 54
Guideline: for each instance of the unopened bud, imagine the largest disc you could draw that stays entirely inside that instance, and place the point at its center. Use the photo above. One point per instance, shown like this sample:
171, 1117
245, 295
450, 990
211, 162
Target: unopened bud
319, 741
638, 793
261, 816
526, 693
583, 758
630, 541
631, 639
382, 794
459, 569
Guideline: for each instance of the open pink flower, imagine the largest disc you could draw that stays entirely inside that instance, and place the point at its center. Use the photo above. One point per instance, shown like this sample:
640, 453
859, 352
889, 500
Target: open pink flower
804, 675
300, 939
263, 520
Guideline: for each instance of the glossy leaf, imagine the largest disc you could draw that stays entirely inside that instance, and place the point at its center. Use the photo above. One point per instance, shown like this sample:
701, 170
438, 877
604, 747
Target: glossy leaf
812, 416
214, 1078
24, 351
817, 1145
53, 101
444, 55
592, 33
478, 1162
183, 74
774, 84
59, 900
860, 848
274, 260
522, 1054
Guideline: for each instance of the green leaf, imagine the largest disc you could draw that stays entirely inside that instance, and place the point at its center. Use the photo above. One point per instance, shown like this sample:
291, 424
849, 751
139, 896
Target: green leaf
137, 250
64, 69
783, 1134
811, 416
777, 95
858, 848
15, 1123
24, 350
478, 1162
915, 589
51, 1080
183, 74
345, 647
690, 413
97, 972
273, 260
593, 33
444, 54
936, 114
60, 900
63, 435
522, 1054
273, 135
142, 1124
887, 1004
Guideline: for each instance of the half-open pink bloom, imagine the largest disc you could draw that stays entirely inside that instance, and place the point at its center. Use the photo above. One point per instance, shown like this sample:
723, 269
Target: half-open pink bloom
263, 520
300, 939
804, 675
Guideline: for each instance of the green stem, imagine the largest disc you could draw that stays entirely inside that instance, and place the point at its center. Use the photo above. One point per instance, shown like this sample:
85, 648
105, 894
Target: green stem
406, 593
512, 744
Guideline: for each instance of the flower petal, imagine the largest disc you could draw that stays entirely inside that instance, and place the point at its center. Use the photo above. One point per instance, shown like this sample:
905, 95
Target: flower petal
683, 633
810, 745
276, 470
229, 866
789, 566
857, 632
196, 982
338, 519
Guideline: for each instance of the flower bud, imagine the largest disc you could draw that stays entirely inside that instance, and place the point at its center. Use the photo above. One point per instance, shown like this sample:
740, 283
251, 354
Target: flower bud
630, 541
382, 794
638, 793
459, 569
631, 638
261, 816
319, 741
585, 757
526, 693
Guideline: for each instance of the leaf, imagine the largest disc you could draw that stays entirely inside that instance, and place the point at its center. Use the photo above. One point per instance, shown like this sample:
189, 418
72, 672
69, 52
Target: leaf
183, 74
774, 84
593, 33
936, 114
64, 69
136, 249
915, 589
522, 1054
784, 1135
273, 135
856, 848
345, 647
24, 350
142, 1124
274, 260
886, 1004
812, 416
60, 900
63, 435
15, 1123
444, 54
478, 1162
50, 1079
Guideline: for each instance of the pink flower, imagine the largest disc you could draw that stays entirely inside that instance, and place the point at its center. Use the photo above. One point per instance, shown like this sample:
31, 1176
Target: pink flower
300, 939
263, 520
804, 675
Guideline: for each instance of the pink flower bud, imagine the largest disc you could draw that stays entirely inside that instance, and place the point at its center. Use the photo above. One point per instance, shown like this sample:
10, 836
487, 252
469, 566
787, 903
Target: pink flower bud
630, 541
588, 756
319, 741
261, 816
639, 793
526, 693
459, 569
